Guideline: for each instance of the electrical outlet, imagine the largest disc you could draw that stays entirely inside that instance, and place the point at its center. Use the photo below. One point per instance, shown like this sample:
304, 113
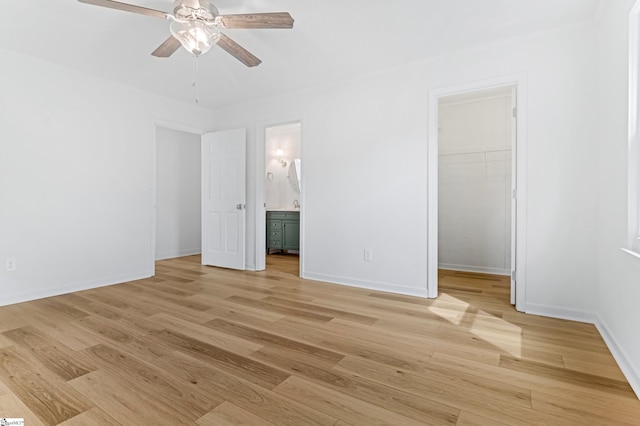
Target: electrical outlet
368, 255
10, 264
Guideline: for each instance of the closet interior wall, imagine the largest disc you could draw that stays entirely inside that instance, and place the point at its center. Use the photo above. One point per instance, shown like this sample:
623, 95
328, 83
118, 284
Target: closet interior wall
475, 143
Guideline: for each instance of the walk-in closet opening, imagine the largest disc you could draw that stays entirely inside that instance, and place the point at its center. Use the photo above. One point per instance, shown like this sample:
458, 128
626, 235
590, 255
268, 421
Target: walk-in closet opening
476, 215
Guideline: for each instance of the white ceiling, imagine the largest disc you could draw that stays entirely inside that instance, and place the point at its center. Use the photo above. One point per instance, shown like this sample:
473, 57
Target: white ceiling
331, 40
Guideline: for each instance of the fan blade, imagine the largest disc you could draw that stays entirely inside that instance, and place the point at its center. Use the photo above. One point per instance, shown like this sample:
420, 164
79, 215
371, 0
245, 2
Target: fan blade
258, 20
167, 48
237, 51
128, 8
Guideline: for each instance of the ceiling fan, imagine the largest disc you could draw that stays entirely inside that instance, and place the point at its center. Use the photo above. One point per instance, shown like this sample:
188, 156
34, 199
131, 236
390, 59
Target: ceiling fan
196, 25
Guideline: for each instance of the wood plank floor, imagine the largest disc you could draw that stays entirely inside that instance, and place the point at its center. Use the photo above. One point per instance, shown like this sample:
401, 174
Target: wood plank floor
208, 346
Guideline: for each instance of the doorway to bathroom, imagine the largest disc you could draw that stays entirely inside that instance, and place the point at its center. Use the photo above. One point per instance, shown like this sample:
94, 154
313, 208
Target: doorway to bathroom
279, 221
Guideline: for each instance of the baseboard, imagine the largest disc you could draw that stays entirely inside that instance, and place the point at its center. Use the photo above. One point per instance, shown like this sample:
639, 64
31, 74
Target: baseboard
630, 371
179, 253
560, 313
478, 269
57, 291
369, 285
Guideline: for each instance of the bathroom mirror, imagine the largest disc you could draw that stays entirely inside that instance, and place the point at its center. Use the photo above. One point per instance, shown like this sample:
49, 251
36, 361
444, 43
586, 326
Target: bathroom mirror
294, 174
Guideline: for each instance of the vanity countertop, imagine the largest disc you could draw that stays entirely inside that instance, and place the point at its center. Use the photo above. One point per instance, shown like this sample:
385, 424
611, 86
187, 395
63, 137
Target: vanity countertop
283, 210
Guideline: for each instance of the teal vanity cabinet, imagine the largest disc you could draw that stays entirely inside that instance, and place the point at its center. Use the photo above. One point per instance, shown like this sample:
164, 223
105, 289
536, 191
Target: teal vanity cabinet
283, 230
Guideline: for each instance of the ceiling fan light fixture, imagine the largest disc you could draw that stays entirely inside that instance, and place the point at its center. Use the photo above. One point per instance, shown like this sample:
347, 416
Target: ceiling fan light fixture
195, 35
196, 26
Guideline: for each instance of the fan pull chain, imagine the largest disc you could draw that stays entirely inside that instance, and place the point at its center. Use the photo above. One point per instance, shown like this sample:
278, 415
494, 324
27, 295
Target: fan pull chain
194, 83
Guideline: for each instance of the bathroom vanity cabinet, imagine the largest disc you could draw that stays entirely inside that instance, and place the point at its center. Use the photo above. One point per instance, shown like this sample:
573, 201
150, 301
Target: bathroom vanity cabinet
283, 230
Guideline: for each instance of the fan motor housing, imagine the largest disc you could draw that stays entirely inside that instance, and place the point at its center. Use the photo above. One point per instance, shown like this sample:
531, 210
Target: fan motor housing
195, 9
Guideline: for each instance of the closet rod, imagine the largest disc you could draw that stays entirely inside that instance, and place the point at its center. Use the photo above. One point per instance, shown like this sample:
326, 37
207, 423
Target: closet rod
475, 152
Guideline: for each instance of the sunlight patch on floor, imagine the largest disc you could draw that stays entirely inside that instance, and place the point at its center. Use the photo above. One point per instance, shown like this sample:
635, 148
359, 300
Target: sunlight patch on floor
498, 332
449, 308
488, 327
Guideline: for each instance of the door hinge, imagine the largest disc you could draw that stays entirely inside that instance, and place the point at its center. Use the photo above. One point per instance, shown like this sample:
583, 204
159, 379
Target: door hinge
515, 112
513, 275
514, 193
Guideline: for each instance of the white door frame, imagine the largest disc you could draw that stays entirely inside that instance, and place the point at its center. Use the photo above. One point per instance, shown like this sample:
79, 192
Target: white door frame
260, 219
154, 180
519, 81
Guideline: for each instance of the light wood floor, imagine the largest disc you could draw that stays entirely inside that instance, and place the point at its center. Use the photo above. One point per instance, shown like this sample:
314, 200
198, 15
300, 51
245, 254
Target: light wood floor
207, 346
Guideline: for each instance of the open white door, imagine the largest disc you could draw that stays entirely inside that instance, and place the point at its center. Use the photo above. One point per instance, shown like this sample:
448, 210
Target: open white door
224, 198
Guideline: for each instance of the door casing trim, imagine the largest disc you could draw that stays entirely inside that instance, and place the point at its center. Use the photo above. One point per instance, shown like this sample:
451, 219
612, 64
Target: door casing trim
520, 83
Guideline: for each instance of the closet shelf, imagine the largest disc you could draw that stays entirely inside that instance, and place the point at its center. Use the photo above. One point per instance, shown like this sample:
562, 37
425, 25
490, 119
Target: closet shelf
485, 151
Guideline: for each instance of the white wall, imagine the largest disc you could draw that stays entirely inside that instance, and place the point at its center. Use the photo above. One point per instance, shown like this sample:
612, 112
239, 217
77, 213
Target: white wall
76, 174
178, 198
79, 180
279, 193
618, 285
365, 171
474, 179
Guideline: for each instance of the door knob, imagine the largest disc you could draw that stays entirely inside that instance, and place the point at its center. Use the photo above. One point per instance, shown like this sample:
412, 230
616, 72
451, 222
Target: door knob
239, 206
